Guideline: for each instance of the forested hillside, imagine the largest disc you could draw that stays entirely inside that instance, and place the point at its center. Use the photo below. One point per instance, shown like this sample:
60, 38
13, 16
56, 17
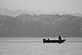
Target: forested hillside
26, 25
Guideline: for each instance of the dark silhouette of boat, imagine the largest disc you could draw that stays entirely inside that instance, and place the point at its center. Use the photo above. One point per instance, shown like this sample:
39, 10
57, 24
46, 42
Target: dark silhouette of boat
60, 40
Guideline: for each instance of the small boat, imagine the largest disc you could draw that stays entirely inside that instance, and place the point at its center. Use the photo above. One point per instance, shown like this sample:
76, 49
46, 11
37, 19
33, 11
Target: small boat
60, 40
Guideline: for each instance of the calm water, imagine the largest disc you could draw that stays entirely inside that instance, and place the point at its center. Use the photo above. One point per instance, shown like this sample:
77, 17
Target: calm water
34, 46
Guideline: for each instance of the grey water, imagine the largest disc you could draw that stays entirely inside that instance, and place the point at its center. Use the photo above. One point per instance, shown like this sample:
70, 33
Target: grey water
35, 46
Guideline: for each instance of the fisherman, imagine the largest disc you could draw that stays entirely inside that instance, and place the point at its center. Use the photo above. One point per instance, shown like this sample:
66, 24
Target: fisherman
59, 37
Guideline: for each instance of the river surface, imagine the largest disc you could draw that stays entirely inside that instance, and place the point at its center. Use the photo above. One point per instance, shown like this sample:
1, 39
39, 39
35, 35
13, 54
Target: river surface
35, 46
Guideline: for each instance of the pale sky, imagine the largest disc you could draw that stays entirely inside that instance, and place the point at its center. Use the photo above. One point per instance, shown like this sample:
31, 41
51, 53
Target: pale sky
48, 6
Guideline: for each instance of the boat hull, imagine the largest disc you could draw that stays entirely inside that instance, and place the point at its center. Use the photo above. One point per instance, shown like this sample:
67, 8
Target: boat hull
53, 41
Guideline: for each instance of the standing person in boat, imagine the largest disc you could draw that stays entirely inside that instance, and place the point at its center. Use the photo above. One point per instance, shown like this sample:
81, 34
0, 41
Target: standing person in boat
59, 37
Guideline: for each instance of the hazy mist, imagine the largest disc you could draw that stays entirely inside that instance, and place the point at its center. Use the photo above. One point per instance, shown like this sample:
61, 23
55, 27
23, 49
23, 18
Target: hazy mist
45, 6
